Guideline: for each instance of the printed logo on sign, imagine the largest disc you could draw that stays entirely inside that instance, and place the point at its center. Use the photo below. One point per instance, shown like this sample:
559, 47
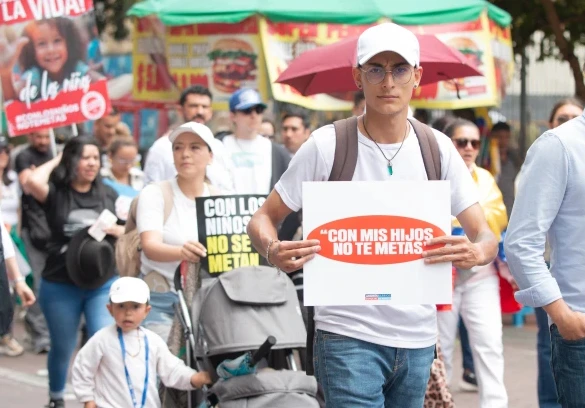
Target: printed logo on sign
379, 296
93, 105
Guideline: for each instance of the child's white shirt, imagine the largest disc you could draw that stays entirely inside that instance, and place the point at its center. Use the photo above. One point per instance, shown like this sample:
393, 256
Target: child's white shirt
98, 371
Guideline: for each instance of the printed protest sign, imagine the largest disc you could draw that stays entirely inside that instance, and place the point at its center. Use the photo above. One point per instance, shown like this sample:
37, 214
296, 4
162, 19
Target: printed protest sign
222, 223
372, 236
46, 78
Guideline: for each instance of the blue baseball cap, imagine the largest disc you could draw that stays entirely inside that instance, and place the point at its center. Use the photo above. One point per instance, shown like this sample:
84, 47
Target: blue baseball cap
245, 98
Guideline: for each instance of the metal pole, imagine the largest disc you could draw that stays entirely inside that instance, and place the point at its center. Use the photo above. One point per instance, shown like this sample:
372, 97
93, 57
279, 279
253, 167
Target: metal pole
523, 140
53, 143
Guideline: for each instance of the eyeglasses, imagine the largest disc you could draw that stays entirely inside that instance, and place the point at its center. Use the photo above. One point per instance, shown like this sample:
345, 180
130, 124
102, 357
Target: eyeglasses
124, 162
462, 143
401, 74
258, 109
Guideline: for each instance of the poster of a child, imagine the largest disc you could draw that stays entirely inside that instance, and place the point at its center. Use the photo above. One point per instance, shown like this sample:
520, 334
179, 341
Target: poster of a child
53, 47
49, 65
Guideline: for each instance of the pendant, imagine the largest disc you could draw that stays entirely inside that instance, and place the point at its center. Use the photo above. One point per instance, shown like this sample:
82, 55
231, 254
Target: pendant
390, 168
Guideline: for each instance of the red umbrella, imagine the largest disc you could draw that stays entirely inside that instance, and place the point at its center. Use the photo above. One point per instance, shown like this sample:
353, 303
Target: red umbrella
327, 69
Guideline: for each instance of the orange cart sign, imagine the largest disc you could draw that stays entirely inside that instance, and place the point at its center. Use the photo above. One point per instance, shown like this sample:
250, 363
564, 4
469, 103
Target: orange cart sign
371, 250
488, 48
222, 57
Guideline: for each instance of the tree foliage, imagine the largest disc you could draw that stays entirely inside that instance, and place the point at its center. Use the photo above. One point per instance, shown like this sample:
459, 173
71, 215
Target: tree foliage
112, 13
562, 23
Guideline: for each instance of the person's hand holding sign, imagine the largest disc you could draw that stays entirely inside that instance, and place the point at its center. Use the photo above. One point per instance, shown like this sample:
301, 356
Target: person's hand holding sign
464, 253
290, 256
193, 251
457, 249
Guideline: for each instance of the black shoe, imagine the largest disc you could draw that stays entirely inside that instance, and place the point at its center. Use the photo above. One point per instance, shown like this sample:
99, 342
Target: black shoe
469, 381
56, 403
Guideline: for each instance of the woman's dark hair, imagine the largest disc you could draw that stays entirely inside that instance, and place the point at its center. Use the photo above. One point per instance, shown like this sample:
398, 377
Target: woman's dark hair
70, 33
442, 123
121, 142
66, 171
566, 101
455, 124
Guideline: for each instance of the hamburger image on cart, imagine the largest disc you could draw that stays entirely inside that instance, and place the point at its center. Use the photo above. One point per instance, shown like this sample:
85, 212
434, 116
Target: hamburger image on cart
234, 62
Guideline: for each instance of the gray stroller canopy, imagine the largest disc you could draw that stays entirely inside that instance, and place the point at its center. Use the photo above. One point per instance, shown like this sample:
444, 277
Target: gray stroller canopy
240, 309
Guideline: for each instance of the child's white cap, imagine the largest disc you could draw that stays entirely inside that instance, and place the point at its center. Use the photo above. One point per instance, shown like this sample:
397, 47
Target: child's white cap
128, 289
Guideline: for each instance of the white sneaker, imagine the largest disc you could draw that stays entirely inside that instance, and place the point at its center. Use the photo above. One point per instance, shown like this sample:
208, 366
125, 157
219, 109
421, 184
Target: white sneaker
10, 347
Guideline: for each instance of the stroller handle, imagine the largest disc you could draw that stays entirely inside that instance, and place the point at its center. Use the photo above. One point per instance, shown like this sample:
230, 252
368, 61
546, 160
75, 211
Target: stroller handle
263, 351
177, 279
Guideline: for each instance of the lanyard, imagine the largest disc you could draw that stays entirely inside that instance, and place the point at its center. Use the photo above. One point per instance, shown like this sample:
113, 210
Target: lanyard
130, 387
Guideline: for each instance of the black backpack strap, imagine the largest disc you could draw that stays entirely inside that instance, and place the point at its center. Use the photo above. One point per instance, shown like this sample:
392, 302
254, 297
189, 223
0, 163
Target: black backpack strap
429, 149
344, 163
346, 150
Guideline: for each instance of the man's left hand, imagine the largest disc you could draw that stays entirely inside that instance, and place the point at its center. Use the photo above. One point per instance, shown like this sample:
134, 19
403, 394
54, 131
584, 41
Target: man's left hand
457, 249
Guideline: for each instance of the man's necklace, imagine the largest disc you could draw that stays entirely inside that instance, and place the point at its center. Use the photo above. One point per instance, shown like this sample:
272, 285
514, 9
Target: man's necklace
389, 160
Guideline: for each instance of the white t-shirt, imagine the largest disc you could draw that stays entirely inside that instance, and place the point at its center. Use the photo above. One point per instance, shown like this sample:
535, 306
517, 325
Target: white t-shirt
10, 199
403, 326
98, 370
250, 164
180, 227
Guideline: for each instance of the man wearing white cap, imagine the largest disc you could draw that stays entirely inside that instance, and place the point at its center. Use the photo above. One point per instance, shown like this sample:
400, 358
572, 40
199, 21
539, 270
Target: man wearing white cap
119, 365
375, 356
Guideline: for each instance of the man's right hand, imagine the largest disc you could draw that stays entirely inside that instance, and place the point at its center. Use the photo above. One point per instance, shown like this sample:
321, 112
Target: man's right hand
572, 325
290, 256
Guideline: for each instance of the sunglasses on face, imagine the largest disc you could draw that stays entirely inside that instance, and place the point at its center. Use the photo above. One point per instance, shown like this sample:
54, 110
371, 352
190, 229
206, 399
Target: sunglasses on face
258, 109
462, 143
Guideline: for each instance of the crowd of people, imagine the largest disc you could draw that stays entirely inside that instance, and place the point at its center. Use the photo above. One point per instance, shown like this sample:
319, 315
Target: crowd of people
49, 201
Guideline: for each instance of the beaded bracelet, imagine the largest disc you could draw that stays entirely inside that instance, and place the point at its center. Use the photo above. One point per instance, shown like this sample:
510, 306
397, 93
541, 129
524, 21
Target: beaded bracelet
272, 241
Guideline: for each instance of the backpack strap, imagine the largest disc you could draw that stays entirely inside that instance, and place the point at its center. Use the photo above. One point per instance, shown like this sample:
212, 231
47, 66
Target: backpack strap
167, 193
429, 149
346, 149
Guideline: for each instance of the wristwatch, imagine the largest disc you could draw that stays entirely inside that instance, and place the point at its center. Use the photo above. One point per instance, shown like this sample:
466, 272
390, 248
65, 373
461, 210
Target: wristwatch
15, 281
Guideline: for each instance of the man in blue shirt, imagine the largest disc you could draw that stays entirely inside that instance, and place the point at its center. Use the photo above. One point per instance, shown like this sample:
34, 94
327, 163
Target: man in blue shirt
551, 202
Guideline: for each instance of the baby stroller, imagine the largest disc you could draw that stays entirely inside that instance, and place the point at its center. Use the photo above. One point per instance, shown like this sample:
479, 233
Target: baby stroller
252, 311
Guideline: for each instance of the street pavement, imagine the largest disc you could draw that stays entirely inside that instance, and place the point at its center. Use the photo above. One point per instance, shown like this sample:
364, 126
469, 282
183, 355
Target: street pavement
24, 385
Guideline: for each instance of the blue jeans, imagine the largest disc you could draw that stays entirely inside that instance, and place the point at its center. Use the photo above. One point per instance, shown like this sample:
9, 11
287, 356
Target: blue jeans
63, 304
547, 390
160, 318
568, 366
466, 347
354, 373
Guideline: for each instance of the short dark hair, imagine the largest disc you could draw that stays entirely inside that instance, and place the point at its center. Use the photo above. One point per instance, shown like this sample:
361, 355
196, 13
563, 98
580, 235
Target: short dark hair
358, 97
501, 126
452, 127
194, 90
297, 113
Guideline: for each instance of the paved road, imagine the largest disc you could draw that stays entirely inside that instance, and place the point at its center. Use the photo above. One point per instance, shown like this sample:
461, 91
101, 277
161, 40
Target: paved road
22, 387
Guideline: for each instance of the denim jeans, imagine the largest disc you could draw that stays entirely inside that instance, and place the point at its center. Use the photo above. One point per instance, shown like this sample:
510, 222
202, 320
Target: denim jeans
160, 318
568, 366
465, 347
63, 304
547, 390
355, 373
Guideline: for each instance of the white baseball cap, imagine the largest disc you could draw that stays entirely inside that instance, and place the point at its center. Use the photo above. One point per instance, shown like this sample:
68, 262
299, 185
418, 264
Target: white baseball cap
128, 289
388, 37
195, 128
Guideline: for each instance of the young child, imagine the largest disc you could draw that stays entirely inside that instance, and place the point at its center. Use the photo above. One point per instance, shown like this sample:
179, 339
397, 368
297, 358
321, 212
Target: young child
119, 365
53, 46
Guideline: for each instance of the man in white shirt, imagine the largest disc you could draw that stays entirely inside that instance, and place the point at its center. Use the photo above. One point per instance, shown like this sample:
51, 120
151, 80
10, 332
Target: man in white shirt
194, 105
375, 356
255, 163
